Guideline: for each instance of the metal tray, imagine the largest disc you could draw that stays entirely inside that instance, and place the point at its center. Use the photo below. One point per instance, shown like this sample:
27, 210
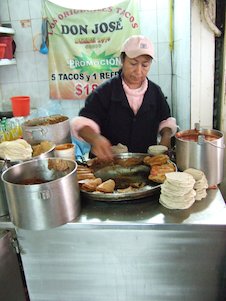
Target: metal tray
117, 197
149, 189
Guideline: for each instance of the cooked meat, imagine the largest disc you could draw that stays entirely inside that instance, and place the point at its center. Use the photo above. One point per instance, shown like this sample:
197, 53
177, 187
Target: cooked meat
58, 164
129, 162
84, 176
42, 147
156, 160
158, 172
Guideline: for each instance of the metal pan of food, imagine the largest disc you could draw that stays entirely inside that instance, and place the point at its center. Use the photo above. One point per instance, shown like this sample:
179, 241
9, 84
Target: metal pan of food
130, 175
55, 128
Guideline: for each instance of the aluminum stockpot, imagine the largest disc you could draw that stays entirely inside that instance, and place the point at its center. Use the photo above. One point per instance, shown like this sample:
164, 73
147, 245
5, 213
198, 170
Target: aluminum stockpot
4, 210
42, 197
5, 164
201, 149
55, 128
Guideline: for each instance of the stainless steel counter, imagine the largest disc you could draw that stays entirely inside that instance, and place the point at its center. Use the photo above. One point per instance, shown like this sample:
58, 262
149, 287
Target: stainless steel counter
130, 252
145, 212
149, 212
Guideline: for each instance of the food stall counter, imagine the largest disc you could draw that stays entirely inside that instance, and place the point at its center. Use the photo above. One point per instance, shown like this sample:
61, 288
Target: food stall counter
129, 251
144, 212
148, 212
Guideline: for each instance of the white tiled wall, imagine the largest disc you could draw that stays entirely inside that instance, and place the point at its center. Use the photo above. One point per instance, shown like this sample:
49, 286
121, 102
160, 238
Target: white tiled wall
30, 75
181, 64
154, 17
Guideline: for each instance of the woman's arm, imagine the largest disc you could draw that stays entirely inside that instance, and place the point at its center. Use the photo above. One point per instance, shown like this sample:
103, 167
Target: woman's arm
166, 134
100, 146
167, 129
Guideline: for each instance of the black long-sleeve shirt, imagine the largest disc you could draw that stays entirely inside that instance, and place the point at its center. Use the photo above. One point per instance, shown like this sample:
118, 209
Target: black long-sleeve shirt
109, 108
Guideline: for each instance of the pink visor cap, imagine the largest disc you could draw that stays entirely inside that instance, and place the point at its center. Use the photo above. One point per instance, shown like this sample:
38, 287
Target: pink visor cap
135, 46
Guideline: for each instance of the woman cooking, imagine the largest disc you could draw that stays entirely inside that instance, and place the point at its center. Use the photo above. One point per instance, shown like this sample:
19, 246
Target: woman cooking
128, 109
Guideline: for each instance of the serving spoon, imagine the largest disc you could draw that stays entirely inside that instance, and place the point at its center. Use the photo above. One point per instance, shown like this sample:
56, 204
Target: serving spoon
44, 49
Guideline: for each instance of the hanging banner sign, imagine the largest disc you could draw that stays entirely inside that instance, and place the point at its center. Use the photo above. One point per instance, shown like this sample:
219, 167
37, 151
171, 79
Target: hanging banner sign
84, 46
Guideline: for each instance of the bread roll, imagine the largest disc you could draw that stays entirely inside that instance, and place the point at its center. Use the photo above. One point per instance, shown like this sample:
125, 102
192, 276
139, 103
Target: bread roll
91, 184
107, 186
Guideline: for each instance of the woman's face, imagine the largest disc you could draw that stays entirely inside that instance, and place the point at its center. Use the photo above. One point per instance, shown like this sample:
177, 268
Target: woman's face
135, 70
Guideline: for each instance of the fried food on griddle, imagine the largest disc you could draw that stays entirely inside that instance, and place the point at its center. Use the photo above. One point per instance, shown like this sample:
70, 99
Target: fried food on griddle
133, 187
58, 164
90, 185
107, 186
127, 190
138, 185
84, 172
156, 160
128, 162
83, 169
42, 147
158, 172
96, 163
84, 176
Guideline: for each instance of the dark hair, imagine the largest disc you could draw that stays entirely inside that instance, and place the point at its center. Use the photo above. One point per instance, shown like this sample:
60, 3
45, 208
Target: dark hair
122, 56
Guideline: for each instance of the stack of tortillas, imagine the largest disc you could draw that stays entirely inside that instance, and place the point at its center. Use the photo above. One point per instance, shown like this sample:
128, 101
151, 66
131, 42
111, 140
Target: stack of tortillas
177, 191
201, 183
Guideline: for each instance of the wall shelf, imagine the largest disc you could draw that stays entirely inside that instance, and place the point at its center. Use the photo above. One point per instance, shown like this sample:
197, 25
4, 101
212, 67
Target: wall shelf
7, 30
4, 62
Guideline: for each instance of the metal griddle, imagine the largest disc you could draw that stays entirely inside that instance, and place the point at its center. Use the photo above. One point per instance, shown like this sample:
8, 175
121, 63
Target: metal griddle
124, 176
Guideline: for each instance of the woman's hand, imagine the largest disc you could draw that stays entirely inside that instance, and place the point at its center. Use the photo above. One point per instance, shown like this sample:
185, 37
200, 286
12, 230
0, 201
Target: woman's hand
100, 146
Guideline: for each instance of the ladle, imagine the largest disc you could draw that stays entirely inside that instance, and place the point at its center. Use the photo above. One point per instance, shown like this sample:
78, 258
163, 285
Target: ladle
44, 48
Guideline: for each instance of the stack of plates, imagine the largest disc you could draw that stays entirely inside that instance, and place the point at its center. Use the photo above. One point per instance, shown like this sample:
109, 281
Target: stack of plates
177, 191
201, 183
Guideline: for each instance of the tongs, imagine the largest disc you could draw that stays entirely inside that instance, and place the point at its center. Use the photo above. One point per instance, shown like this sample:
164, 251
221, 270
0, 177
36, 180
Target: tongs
81, 160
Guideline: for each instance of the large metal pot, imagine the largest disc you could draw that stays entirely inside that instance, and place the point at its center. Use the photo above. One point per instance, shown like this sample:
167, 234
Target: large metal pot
40, 197
4, 210
55, 128
202, 149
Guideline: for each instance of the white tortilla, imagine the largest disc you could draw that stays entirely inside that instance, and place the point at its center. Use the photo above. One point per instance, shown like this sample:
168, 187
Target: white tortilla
179, 199
172, 205
200, 195
195, 173
180, 179
168, 188
201, 184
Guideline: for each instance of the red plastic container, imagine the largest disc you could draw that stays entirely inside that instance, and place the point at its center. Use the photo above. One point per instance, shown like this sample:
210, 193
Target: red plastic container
9, 46
2, 50
20, 105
